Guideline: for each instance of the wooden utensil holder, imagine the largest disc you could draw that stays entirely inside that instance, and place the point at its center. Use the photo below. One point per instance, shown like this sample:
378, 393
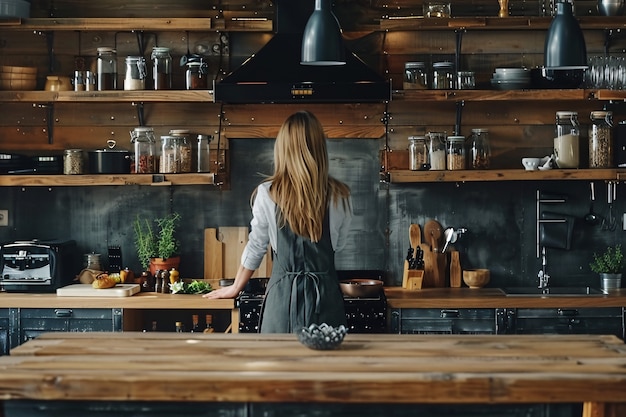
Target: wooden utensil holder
412, 279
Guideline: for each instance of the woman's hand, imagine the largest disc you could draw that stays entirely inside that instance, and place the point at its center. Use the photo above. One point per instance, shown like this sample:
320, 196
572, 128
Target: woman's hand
224, 292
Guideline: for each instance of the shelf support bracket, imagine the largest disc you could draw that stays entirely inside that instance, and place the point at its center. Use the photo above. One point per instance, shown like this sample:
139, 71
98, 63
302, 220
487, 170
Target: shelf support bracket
457, 52
50, 44
140, 113
49, 120
459, 116
140, 42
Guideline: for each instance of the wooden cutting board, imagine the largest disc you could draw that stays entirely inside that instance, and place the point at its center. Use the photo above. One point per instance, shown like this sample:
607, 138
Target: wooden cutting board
222, 253
435, 263
86, 290
455, 269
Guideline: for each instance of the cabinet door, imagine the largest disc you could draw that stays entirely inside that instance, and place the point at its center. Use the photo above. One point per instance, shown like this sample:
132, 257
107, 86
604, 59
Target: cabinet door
5, 344
443, 321
35, 321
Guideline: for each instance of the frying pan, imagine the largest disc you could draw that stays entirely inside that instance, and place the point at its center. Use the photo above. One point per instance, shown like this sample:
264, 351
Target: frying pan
360, 287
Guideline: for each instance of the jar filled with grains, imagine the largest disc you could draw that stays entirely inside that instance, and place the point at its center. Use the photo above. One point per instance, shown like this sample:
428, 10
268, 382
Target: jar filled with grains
455, 153
73, 162
184, 149
601, 139
480, 151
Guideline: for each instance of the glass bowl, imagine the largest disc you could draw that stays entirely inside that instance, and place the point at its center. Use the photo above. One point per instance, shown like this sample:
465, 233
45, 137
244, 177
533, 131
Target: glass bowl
322, 337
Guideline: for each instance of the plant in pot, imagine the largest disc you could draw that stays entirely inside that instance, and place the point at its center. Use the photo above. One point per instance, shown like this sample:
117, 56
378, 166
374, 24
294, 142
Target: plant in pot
610, 266
156, 242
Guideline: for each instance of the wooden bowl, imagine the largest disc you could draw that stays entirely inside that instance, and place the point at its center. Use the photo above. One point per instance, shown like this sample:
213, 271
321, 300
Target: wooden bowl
476, 278
9, 69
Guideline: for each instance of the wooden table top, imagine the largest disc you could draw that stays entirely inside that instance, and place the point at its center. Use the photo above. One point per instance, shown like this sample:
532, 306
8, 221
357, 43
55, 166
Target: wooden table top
277, 368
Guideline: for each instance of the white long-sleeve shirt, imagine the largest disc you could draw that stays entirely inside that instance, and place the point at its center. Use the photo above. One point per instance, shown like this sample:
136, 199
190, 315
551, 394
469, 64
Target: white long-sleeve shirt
264, 229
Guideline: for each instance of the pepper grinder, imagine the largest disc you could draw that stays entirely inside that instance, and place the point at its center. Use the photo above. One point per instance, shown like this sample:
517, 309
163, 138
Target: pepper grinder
504, 8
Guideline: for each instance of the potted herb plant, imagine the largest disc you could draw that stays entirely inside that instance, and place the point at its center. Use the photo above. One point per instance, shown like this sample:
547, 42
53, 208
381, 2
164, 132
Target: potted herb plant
156, 242
610, 266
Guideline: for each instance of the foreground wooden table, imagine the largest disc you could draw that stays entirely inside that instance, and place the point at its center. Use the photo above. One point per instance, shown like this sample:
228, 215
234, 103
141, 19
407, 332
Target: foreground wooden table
251, 368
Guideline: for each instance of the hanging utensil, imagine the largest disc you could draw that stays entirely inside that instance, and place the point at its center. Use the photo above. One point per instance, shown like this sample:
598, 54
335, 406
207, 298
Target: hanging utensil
591, 217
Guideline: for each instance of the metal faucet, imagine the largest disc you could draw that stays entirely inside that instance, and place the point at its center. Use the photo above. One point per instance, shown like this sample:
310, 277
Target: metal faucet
451, 236
544, 278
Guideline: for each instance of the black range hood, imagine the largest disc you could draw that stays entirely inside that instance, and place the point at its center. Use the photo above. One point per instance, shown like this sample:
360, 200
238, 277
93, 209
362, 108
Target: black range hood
274, 74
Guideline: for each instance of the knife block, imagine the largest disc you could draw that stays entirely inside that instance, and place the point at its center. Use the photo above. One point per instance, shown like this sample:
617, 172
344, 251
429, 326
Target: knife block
412, 279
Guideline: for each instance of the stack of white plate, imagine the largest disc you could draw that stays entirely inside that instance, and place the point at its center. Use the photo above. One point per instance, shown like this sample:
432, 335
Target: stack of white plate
511, 78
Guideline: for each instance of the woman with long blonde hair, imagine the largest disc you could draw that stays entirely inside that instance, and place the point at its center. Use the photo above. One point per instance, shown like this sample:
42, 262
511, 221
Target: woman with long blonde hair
304, 214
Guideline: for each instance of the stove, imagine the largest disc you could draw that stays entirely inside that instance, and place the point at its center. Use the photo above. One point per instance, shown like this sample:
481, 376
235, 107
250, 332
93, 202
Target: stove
363, 314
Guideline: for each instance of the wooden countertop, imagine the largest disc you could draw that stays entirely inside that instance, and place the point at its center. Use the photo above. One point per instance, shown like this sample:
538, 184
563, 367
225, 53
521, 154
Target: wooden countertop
396, 298
493, 298
277, 368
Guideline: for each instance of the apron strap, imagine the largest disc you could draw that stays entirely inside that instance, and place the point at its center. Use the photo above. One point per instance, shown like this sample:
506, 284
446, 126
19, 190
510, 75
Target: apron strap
310, 279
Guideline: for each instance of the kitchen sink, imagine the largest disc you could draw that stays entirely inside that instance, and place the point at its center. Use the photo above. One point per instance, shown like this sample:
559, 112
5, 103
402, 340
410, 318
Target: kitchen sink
552, 291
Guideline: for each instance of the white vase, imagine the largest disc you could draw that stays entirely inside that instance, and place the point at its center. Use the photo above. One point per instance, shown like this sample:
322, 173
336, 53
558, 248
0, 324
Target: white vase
610, 281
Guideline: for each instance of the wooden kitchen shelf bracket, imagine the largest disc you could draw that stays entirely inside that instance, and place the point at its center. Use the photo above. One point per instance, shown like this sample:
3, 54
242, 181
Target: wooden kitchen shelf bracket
140, 112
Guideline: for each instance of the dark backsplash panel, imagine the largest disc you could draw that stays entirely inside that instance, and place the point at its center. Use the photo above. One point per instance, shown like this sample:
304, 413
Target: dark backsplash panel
500, 216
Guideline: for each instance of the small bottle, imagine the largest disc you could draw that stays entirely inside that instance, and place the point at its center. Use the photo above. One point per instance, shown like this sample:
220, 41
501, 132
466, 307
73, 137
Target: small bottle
209, 324
179, 327
437, 150
418, 153
456, 153
161, 68
195, 327
601, 139
107, 69
135, 73
480, 151
415, 76
174, 275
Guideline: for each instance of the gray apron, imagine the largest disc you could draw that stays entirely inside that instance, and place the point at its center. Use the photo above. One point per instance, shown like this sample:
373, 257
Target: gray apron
303, 288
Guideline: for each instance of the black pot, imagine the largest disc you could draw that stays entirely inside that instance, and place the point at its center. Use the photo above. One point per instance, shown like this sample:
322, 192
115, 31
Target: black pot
109, 161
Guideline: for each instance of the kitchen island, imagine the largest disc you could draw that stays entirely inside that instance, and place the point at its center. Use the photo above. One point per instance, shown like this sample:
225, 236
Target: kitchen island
83, 370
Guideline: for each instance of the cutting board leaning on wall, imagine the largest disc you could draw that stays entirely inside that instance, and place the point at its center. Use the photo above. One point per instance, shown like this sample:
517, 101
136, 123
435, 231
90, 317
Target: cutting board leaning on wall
222, 253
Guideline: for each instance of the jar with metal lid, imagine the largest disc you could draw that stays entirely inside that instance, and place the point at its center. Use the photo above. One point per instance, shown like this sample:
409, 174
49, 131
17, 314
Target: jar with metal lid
443, 75
437, 150
184, 149
566, 142
480, 151
196, 76
161, 68
169, 161
415, 76
107, 69
601, 139
145, 157
73, 162
455, 153
203, 153
418, 153
135, 73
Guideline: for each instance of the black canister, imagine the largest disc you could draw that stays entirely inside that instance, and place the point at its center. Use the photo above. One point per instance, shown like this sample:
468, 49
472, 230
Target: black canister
620, 144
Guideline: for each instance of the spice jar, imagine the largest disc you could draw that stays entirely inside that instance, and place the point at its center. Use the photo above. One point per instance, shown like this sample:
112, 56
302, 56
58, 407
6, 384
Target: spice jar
601, 139
480, 151
203, 153
107, 69
135, 73
566, 152
161, 68
455, 153
196, 77
418, 153
443, 75
145, 158
415, 76
184, 149
73, 162
437, 150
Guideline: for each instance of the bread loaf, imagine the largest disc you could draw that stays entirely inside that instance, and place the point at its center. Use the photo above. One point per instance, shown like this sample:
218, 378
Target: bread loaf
103, 281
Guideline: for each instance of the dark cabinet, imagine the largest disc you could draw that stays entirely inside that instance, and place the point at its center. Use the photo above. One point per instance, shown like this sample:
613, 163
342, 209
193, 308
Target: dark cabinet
445, 321
4, 331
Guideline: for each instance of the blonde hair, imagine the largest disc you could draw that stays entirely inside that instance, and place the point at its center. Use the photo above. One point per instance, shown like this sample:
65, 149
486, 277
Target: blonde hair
301, 186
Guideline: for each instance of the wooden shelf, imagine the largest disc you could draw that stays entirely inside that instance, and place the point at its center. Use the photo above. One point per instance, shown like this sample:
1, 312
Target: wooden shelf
107, 179
507, 95
196, 96
406, 176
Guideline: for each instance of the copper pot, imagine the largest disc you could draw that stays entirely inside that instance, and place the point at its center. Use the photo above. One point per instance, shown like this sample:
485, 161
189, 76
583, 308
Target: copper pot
359, 287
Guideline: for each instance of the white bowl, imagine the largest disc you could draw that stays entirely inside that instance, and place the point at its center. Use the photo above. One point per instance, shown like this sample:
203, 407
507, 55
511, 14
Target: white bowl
531, 164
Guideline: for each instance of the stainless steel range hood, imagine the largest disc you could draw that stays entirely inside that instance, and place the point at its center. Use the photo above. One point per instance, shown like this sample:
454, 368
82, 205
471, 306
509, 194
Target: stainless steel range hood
274, 74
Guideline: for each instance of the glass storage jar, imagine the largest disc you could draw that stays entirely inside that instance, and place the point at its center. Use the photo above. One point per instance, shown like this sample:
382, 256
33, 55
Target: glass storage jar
203, 153
418, 153
601, 139
106, 64
73, 162
480, 151
455, 155
161, 68
437, 150
196, 76
145, 157
415, 76
566, 152
135, 73
169, 160
443, 75
184, 149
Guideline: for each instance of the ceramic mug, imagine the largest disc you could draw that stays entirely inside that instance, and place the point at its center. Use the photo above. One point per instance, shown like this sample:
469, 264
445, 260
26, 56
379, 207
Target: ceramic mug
566, 151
